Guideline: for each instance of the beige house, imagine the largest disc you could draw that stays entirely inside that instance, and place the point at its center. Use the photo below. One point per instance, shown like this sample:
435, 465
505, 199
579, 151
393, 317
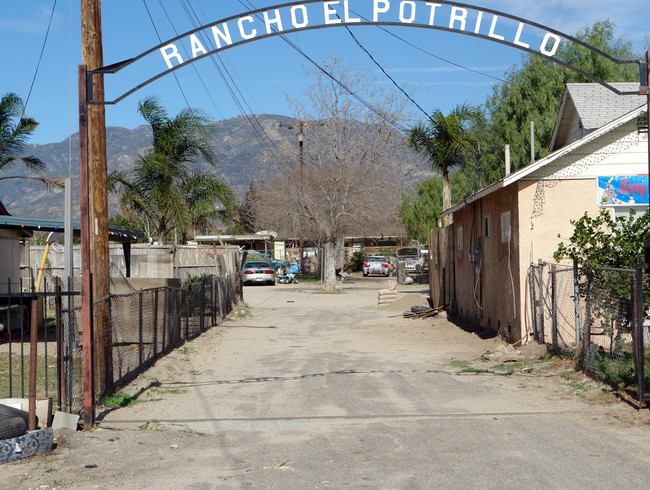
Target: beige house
599, 157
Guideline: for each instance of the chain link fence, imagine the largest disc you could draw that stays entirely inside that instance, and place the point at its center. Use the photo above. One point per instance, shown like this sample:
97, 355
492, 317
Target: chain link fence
598, 316
143, 325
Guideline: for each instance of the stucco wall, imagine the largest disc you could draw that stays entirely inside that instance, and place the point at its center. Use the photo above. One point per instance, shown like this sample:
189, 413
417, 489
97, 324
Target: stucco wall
486, 269
542, 206
563, 201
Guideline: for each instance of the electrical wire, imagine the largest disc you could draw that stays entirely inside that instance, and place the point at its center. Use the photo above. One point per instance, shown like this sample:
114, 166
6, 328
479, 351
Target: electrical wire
175, 76
372, 58
257, 128
180, 87
364, 102
429, 53
40, 58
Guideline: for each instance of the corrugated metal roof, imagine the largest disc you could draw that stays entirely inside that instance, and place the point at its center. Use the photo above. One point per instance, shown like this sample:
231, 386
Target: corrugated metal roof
41, 224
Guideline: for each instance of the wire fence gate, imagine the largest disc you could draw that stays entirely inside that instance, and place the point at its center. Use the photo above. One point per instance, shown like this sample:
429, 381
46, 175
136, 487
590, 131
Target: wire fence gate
599, 316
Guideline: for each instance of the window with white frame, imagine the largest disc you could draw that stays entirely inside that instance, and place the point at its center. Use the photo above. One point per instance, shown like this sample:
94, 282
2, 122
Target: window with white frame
505, 227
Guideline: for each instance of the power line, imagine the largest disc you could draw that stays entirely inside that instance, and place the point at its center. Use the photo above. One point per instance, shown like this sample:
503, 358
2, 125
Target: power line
429, 53
40, 58
255, 127
356, 40
364, 102
160, 40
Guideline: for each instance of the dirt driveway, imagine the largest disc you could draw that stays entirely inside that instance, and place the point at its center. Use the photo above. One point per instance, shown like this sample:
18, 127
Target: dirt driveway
302, 389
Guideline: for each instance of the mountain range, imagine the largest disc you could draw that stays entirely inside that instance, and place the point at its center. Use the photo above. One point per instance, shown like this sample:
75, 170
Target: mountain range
247, 148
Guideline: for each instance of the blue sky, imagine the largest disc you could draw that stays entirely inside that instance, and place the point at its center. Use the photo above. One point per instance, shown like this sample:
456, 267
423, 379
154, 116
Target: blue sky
263, 73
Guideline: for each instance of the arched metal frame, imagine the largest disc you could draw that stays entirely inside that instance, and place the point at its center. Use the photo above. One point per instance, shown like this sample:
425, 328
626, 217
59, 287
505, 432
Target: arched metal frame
115, 68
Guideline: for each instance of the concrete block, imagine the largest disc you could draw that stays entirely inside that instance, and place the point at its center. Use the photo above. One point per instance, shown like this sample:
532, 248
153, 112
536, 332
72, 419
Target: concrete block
63, 420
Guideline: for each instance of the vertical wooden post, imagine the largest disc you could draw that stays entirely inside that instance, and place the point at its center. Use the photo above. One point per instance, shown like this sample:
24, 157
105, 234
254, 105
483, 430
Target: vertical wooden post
33, 364
301, 163
86, 276
92, 52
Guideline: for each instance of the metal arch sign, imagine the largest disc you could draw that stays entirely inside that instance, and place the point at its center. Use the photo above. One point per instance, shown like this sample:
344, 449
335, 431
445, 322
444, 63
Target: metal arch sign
306, 15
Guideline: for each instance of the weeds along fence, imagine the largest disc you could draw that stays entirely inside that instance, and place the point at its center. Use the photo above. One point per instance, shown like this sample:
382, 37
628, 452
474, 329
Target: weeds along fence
599, 316
145, 325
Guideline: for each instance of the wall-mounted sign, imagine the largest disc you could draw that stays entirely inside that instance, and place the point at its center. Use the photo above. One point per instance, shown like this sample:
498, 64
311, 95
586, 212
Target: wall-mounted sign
623, 190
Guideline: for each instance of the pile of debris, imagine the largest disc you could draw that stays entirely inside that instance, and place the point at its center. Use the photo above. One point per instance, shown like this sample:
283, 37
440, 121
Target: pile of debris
422, 312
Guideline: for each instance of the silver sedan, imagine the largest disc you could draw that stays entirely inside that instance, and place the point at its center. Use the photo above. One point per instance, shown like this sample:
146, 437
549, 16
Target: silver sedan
257, 273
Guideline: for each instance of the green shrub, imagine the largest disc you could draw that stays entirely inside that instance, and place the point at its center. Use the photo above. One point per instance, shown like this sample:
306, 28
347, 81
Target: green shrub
357, 261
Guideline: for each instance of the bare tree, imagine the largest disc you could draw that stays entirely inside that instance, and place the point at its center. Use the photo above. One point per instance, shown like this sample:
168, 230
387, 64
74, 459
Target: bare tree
354, 165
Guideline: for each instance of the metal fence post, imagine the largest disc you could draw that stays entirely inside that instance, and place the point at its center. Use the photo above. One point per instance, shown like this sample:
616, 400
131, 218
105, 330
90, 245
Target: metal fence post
202, 306
554, 306
531, 286
68, 336
140, 332
9, 327
540, 322
60, 378
586, 335
187, 310
155, 323
576, 302
639, 348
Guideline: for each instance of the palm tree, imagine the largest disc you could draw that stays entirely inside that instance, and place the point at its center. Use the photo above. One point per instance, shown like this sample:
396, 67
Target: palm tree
446, 140
162, 190
15, 130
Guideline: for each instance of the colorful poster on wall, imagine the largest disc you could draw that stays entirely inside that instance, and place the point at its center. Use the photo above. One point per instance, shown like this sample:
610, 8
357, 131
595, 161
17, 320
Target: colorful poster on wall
623, 190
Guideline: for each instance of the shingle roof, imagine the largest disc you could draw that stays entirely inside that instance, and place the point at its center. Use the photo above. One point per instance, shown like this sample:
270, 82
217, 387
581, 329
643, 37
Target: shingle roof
596, 105
589, 106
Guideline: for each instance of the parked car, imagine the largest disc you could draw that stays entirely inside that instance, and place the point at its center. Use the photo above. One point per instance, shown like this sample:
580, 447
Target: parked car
376, 266
257, 273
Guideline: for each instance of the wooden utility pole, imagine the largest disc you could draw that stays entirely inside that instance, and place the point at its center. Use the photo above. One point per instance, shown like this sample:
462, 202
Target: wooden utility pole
301, 162
92, 56
86, 277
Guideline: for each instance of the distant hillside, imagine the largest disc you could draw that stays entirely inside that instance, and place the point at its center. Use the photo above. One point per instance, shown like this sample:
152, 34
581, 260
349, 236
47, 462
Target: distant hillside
240, 155
245, 152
